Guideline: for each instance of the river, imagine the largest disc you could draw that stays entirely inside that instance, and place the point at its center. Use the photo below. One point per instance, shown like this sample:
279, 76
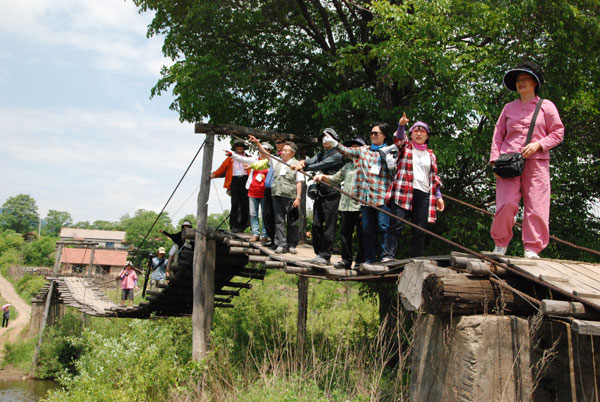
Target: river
24, 390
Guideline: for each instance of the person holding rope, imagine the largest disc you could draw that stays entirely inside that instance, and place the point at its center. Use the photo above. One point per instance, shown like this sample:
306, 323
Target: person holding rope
256, 190
533, 184
372, 182
286, 191
235, 183
326, 200
349, 209
415, 190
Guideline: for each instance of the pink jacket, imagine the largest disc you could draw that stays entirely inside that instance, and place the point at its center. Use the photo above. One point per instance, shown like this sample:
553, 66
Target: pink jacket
513, 124
128, 279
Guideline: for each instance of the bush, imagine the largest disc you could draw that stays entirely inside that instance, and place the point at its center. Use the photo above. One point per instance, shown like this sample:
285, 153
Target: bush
8, 259
60, 348
143, 362
40, 253
19, 354
30, 285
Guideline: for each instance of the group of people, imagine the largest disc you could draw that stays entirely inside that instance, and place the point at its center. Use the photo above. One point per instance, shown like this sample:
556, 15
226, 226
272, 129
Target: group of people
400, 179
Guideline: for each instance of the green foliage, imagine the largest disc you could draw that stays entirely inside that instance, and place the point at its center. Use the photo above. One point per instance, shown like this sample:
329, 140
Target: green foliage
19, 213
19, 354
60, 348
56, 220
137, 227
143, 362
8, 259
9, 240
300, 66
40, 252
29, 285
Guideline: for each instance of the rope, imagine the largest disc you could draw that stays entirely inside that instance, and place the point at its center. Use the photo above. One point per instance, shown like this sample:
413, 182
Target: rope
558, 240
507, 267
160, 213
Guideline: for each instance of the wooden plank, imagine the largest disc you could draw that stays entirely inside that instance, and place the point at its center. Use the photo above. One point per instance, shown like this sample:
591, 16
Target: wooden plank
586, 275
568, 309
300, 270
337, 272
584, 327
577, 282
542, 269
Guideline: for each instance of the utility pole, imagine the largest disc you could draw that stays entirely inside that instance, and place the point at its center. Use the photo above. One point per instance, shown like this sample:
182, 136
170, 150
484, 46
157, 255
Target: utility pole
202, 311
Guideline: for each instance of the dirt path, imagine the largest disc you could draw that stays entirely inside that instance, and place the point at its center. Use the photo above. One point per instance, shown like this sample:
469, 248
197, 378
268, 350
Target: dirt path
23, 313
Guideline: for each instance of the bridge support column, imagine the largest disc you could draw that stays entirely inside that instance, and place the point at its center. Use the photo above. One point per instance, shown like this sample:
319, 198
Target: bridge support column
203, 300
302, 312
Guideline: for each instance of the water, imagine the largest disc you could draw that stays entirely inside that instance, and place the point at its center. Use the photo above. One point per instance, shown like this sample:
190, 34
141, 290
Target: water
24, 390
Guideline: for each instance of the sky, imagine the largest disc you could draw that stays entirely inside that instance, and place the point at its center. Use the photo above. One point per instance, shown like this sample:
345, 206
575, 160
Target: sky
78, 129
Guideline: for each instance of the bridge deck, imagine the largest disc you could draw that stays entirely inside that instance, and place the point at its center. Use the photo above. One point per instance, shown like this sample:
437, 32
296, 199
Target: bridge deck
238, 258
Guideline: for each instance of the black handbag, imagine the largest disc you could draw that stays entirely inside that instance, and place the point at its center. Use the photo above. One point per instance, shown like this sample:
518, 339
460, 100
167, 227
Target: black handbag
512, 164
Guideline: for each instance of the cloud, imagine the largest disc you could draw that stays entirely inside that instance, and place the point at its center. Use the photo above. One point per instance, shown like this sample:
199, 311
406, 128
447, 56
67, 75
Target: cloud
112, 31
103, 164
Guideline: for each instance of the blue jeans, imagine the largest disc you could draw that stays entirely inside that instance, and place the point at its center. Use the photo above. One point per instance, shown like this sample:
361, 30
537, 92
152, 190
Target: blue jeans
255, 203
375, 222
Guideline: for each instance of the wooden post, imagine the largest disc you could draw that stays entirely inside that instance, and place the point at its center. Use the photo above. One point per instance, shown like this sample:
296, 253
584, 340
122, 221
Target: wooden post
47, 306
200, 309
302, 312
210, 260
90, 272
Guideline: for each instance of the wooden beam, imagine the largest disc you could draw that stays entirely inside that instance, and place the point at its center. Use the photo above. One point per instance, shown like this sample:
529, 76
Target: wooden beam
302, 312
462, 294
200, 309
563, 308
47, 306
586, 327
244, 132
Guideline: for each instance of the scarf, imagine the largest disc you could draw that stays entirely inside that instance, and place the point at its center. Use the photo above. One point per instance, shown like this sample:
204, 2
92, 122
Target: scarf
376, 147
421, 147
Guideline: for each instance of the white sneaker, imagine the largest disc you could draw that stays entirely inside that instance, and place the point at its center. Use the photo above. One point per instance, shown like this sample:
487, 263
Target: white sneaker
530, 254
499, 250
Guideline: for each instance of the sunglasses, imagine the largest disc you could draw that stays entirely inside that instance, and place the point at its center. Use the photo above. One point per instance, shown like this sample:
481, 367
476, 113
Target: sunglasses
376, 133
279, 142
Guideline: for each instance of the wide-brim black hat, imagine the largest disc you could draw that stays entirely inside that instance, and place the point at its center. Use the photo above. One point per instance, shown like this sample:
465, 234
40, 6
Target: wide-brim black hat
240, 143
331, 132
294, 214
510, 78
358, 141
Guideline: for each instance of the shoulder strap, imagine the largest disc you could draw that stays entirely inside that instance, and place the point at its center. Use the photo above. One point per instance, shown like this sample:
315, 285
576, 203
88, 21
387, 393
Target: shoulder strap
533, 119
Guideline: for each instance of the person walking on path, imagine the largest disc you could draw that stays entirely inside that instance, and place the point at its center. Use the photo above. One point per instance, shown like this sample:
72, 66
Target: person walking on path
510, 136
128, 284
5, 315
326, 201
372, 182
415, 190
235, 183
349, 210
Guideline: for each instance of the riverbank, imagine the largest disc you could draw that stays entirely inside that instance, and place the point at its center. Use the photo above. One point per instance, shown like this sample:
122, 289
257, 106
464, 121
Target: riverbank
13, 374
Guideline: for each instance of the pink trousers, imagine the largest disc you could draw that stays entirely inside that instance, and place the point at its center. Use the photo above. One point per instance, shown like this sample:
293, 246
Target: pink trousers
534, 186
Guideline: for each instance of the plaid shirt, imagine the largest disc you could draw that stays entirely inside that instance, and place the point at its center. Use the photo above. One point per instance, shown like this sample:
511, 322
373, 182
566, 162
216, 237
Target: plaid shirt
372, 177
401, 190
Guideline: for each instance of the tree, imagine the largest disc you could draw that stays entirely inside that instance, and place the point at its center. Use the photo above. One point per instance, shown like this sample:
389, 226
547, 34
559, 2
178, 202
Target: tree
40, 252
56, 220
105, 225
137, 227
188, 217
299, 65
19, 213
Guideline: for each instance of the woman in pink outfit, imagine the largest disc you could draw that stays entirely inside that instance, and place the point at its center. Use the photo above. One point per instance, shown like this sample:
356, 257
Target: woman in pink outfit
533, 185
128, 279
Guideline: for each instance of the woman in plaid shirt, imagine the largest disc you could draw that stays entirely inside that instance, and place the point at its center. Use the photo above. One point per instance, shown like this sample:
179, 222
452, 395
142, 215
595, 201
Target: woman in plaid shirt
372, 182
415, 190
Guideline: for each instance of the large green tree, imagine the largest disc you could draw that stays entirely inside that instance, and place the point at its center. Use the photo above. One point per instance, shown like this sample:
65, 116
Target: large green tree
19, 213
56, 220
298, 65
